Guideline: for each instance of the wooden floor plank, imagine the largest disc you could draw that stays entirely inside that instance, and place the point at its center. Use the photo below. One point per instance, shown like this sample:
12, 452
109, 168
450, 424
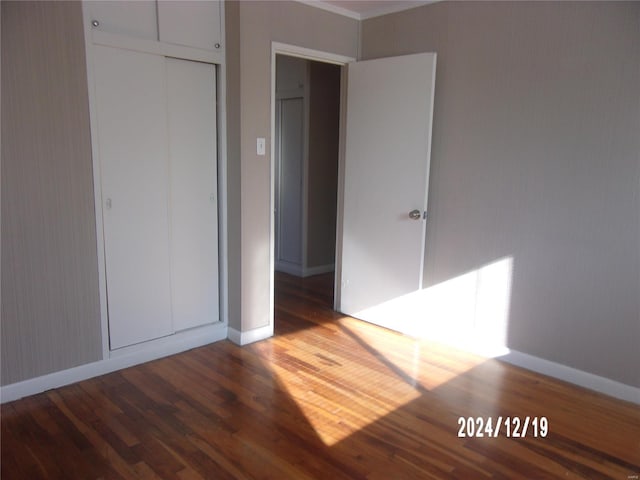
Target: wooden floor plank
327, 397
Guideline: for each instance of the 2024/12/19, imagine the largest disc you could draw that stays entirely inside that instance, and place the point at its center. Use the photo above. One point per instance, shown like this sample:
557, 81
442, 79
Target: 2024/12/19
511, 427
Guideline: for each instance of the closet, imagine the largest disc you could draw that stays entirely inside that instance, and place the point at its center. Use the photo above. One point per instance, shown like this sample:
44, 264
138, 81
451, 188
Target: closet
154, 107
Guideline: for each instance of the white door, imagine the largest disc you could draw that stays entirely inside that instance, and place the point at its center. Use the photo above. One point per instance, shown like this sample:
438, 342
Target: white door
132, 144
388, 143
191, 96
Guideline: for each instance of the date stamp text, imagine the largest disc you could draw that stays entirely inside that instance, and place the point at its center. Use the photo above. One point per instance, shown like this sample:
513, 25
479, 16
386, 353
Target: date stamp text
510, 427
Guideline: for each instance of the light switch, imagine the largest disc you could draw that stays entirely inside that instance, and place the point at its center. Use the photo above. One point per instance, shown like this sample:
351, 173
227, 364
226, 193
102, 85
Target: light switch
260, 146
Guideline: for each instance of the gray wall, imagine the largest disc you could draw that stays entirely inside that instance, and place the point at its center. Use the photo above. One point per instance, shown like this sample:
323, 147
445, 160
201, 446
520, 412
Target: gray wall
50, 295
291, 74
260, 24
535, 156
232, 59
50, 300
324, 122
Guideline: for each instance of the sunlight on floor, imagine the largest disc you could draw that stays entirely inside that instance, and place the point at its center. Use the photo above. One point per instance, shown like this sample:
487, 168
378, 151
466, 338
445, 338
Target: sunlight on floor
383, 371
341, 398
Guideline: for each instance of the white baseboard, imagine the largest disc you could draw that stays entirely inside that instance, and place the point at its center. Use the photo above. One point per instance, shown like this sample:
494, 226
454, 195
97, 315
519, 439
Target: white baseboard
309, 271
300, 271
290, 268
471, 341
250, 336
573, 375
197, 337
547, 367
118, 360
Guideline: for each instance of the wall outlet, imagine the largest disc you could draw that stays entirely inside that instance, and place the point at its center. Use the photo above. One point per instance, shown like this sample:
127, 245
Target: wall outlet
260, 146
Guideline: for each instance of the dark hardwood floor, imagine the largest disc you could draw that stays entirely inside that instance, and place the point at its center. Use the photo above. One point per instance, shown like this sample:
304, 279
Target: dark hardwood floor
328, 397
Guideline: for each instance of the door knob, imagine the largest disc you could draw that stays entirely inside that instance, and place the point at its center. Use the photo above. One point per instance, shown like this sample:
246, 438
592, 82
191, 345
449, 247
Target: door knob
415, 215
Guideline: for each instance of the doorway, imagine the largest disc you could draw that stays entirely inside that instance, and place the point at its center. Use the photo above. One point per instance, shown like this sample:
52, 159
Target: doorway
390, 103
306, 137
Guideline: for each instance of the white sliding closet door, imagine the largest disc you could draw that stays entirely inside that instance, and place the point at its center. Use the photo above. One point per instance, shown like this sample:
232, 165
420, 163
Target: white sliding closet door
191, 96
290, 151
132, 137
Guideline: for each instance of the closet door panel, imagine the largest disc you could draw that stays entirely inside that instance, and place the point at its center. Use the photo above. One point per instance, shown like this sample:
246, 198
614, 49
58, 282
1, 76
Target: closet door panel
132, 132
191, 94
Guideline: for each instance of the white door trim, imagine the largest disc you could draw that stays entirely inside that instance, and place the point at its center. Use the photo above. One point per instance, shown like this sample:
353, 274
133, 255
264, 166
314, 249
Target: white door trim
306, 53
278, 48
97, 179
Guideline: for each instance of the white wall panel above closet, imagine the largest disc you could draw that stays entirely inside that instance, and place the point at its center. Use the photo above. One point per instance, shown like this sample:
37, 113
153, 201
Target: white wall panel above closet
136, 19
190, 23
196, 24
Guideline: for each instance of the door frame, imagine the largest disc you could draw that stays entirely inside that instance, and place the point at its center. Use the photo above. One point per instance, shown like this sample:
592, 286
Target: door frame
290, 50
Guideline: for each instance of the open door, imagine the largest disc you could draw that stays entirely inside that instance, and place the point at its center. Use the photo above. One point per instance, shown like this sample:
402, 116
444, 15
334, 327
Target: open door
386, 173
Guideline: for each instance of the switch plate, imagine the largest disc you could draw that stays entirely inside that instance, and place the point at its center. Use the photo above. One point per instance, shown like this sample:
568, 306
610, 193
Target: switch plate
260, 146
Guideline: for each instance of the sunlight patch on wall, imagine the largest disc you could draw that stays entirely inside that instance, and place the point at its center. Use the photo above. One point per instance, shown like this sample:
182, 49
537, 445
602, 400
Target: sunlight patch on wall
470, 311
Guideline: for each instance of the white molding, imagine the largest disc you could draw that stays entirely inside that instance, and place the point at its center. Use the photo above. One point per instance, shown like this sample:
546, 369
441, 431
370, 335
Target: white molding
223, 241
337, 283
205, 333
317, 270
250, 336
97, 179
331, 8
391, 8
290, 268
198, 337
573, 375
234, 335
118, 360
278, 48
471, 341
376, 12
300, 271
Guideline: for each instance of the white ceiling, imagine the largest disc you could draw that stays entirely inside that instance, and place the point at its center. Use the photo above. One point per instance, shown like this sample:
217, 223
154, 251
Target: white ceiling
362, 9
